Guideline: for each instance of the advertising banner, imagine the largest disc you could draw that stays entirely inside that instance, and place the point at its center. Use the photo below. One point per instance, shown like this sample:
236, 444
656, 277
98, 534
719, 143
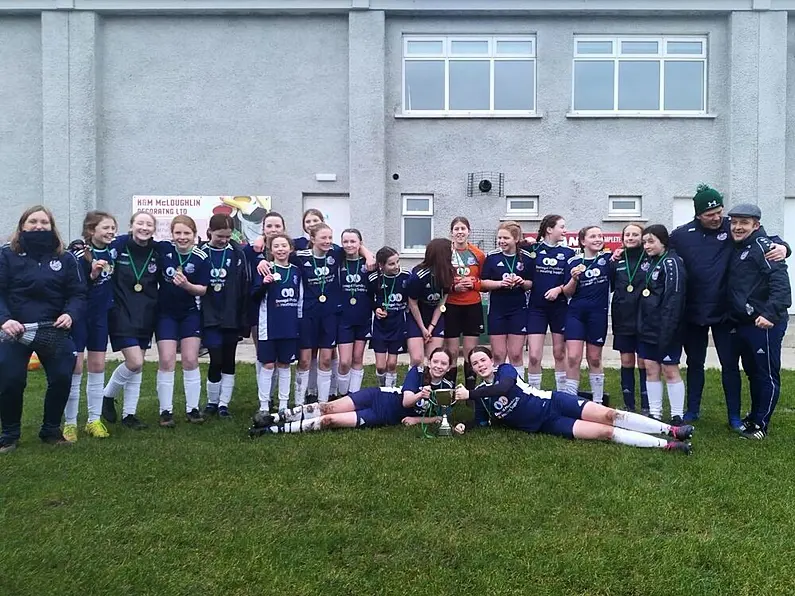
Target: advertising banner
612, 240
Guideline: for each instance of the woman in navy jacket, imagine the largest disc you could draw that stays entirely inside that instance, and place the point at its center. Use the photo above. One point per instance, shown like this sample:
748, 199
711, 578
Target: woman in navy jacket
39, 281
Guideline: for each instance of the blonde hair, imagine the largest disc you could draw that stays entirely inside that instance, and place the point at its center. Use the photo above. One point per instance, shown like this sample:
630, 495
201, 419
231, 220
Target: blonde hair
137, 213
14, 242
185, 220
513, 228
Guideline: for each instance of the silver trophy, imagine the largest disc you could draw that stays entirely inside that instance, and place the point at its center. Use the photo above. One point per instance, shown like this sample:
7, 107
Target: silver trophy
444, 399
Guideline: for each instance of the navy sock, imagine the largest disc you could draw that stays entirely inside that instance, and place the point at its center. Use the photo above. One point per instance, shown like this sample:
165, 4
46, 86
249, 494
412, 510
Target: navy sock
644, 395
628, 387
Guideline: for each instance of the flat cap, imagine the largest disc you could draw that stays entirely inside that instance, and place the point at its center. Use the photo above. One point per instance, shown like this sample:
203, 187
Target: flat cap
746, 210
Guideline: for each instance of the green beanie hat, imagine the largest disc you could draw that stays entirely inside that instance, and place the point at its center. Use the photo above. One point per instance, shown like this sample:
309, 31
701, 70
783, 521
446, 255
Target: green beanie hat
706, 198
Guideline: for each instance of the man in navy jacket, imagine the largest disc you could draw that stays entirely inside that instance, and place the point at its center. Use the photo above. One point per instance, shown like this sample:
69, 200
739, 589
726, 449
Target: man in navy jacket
706, 247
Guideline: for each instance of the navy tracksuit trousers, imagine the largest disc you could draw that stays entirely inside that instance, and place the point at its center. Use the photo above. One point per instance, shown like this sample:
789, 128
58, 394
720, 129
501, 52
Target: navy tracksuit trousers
695, 344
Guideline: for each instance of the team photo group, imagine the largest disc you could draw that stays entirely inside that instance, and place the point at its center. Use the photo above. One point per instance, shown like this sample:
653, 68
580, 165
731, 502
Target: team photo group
321, 300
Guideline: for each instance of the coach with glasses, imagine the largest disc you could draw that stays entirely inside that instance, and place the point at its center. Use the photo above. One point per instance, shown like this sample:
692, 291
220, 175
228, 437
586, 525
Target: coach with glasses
39, 282
705, 245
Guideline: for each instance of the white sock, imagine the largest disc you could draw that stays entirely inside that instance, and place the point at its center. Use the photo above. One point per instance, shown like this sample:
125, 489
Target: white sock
192, 380
381, 376
132, 393
534, 380
73, 403
94, 385
641, 424
323, 385
357, 375
298, 413
520, 371
335, 374
560, 380
572, 386
213, 392
165, 390
117, 381
227, 387
258, 370
302, 426
312, 384
284, 387
655, 392
344, 383
390, 379
301, 386
636, 439
265, 379
676, 397
597, 387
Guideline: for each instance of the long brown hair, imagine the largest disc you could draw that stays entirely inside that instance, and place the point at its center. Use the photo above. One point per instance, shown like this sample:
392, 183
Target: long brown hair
310, 211
14, 242
630, 225
549, 221
583, 233
462, 220
439, 259
90, 223
426, 374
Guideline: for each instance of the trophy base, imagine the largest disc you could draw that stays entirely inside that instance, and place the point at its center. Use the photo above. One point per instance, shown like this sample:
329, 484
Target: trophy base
445, 431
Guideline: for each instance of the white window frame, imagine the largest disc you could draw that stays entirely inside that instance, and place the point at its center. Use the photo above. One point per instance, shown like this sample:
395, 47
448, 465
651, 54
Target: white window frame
662, 55
448, 57
519, 214
625, 214
405, 214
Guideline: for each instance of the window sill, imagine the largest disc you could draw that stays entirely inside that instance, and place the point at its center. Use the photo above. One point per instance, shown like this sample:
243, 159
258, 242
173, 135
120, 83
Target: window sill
417, 256
625, 218
466, 116
592, 115
517, 217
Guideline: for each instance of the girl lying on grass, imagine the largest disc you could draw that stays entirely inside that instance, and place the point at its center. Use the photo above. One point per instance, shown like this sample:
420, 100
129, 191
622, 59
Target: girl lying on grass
503, 398
370, 407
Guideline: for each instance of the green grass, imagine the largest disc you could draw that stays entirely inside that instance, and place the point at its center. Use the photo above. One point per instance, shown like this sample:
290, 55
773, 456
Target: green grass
205, 510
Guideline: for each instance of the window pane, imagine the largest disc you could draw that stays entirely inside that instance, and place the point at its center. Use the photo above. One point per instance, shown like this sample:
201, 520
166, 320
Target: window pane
424, 85
416, 232
522, 205
639, 85
624, 205
514, 85
594, 47
515, 47
414, 204
469, 84
639, 47
685, 47
684, 85
593, 85
469, 47
425, 47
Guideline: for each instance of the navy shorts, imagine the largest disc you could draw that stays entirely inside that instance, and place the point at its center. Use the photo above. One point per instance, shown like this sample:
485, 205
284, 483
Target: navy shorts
170, 328
91, 334
318, 331
388, 346
513, 323
589, 326
564, 410
670, 355
118, 343
215, 337
414, 329
551, 315
368, 414
282, 351
348, 333
625, 344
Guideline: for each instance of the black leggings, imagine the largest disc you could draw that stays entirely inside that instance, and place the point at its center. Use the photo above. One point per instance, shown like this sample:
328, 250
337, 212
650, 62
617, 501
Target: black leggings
222, 361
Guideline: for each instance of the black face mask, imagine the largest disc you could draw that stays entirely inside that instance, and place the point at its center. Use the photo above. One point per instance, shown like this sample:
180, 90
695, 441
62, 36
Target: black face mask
38, 243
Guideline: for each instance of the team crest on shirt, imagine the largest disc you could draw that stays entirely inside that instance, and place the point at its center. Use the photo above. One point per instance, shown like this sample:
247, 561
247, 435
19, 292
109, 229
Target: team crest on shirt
55, 265
655, 275
152, 268
645, 266
722, 236
113, 253
190, 268
330, 260
601, 262
520, 266
560, 256
744, 255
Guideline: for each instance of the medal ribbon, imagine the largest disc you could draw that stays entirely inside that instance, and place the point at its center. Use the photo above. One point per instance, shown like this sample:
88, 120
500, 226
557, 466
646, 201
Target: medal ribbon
637, 265
223, 260
657, 264
138, 275
286, 277
348, 271
511, 266
323, 277
391, 291
179, 258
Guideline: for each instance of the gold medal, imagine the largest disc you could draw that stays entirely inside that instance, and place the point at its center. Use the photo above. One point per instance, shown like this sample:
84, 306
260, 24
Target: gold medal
322, 298
647, 292
218, 287
138, 288
107, 267
442, 308
353, 300
277, 276
630, 288
533, 255
179, 269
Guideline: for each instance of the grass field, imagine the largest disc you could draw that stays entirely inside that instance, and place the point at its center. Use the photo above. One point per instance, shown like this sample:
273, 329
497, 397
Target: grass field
205, 510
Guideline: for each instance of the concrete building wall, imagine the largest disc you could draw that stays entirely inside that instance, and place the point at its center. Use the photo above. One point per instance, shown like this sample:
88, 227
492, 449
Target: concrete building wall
20, 116
222, 104
573, 164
